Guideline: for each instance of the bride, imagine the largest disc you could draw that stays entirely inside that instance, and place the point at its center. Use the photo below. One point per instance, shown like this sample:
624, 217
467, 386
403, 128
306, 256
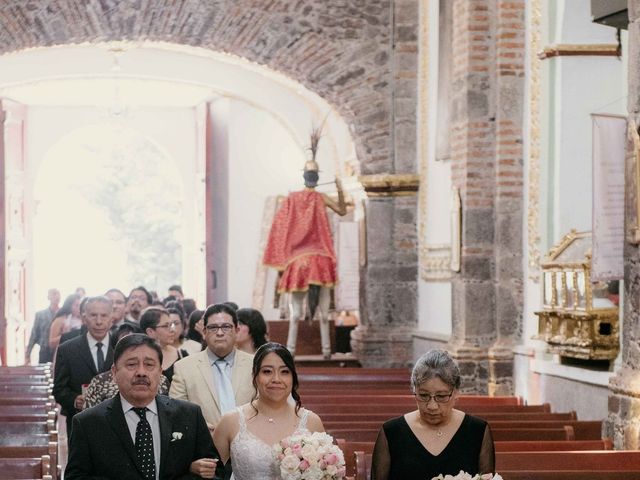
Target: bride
247, 435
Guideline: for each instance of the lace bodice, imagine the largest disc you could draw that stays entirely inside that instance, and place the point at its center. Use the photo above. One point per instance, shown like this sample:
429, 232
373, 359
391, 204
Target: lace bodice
253, 459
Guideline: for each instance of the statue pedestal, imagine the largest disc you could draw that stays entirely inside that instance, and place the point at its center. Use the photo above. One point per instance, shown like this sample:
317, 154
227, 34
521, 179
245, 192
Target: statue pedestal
383, 347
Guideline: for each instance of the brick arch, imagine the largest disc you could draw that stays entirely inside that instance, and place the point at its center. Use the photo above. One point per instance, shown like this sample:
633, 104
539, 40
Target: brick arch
340, 50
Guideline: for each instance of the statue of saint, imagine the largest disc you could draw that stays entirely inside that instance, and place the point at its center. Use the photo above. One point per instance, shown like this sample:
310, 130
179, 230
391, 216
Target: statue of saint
301, 248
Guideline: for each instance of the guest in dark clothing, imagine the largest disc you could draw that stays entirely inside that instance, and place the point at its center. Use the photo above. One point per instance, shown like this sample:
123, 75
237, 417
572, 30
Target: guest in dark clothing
40, 330
82, 358
139, 434
155, 322
436, 438
103, 386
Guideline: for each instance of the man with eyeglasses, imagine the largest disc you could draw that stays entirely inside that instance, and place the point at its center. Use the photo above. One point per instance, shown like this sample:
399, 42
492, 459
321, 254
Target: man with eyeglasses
139, 299
219, 378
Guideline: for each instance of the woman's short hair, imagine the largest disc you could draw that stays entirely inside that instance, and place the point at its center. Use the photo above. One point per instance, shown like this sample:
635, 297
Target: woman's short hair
287, 358
150, 317
253, 319
435, 363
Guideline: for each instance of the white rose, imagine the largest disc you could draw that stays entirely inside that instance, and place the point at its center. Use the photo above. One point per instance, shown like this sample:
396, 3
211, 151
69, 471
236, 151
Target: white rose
313, 473
289, 465
310, 454
331, 470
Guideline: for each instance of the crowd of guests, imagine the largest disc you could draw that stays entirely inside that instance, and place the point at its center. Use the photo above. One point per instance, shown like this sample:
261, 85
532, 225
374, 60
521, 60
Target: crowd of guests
175, 391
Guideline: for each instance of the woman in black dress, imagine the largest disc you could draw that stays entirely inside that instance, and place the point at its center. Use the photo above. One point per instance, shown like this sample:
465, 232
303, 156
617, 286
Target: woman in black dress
436, 438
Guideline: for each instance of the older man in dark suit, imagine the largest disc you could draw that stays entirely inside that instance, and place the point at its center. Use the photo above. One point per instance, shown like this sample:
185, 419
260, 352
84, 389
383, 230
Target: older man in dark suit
80, 359
139, 435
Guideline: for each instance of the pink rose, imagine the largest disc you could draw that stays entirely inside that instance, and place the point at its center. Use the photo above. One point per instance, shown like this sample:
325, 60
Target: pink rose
296, 448
331, 459
303, 465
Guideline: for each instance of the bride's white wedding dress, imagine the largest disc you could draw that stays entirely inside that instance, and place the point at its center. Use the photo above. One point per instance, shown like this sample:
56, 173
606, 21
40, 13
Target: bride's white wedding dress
253, 459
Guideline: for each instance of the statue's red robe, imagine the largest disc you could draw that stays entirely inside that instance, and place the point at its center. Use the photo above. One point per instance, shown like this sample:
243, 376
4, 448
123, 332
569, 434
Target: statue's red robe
300, 243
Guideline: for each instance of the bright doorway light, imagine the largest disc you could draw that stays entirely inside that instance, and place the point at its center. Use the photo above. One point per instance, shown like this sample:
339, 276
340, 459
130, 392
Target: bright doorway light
108, 213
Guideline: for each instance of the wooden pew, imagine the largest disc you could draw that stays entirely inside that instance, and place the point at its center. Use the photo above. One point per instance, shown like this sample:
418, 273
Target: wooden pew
363, 465
553, 445
18, 400
7, 428
34, 451
511, 434
28, 439
394, 410
25, 468
383, 417
583, 429
27, 417
587, 461
588, 465
570, 475
26, 408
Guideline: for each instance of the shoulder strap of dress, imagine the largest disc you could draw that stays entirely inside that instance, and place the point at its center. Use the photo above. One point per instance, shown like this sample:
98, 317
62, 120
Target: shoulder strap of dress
304, 414
241, 420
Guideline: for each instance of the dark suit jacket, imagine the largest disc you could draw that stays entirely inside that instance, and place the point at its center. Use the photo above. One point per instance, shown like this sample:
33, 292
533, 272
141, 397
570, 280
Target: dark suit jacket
101, 445
40, 335
74, 367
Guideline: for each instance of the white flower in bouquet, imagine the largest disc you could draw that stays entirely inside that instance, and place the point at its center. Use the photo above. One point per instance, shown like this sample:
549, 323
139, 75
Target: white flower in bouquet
467, 476
309, 457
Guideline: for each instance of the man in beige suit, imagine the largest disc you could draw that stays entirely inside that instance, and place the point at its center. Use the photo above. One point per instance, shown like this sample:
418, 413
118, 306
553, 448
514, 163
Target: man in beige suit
219, 378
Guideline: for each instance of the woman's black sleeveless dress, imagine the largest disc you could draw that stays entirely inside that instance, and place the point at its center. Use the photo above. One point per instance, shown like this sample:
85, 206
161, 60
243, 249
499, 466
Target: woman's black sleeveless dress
410, 460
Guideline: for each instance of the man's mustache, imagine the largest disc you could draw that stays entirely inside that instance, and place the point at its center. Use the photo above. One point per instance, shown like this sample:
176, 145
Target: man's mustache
142, 381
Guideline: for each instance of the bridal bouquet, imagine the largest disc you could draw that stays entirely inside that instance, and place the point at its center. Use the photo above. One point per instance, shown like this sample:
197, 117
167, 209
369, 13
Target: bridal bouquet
310, 456
467, 476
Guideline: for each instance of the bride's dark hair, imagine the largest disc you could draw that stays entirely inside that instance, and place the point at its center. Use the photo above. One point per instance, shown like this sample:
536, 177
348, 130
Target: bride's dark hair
287, 358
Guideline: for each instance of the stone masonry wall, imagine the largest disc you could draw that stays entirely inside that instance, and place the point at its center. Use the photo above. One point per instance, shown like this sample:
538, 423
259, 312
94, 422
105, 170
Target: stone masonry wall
486, 155
623, 421
341, 49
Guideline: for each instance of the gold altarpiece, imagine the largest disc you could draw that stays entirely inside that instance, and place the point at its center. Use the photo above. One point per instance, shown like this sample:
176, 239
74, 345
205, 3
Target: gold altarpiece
578, 320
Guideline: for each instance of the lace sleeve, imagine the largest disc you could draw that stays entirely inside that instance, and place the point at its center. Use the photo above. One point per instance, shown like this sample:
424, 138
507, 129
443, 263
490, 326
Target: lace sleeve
381, 459
487, 460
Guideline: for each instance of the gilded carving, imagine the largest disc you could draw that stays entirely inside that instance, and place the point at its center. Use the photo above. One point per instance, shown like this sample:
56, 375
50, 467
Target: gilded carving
577, 320
574, 49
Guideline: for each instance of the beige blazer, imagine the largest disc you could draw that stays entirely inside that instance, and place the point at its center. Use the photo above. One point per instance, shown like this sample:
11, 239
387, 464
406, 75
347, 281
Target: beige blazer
193, 381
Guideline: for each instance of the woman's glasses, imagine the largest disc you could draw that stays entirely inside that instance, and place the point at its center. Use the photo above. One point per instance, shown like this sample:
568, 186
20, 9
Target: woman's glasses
438, 397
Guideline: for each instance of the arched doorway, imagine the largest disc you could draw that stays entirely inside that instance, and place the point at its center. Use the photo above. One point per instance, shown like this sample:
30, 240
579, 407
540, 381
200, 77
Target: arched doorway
246, 122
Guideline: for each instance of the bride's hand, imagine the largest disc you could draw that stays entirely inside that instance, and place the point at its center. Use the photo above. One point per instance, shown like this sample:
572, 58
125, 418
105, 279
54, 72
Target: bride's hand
204, 467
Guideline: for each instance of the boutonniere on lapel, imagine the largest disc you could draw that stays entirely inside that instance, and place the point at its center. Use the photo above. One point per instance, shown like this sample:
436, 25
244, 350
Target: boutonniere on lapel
176, 436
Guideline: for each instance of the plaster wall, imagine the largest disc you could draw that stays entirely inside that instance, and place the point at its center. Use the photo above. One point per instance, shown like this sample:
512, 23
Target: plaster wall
434, 297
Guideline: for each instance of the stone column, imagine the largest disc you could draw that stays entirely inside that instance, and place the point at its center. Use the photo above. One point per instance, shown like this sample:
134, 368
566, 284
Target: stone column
623, 423
486, 155
508, 201
389, 280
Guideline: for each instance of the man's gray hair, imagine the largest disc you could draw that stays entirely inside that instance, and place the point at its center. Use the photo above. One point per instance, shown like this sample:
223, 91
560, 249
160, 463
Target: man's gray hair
435, 363
98, 299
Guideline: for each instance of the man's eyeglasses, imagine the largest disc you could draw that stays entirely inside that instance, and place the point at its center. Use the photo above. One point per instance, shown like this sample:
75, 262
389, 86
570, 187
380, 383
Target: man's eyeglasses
226, 328
438, 397
171, 325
